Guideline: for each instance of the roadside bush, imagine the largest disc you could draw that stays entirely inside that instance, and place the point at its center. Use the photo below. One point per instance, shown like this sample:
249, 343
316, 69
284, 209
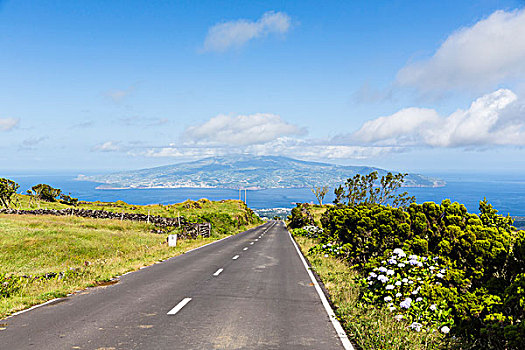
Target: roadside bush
308, 232
481, 291
411, 287
367, 231
300, 217
220, 222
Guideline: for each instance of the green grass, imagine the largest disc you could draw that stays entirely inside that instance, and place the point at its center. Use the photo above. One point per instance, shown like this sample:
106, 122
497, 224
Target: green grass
224, 215
86, 252
368, 327
188, 208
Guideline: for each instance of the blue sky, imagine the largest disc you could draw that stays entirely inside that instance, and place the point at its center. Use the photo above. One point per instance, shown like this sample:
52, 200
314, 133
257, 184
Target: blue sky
406, 85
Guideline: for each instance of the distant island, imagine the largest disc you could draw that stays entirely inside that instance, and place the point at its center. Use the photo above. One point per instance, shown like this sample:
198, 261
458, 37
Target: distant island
244, 171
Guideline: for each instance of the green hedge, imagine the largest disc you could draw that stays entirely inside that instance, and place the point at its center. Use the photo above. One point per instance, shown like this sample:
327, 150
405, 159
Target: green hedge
482, 257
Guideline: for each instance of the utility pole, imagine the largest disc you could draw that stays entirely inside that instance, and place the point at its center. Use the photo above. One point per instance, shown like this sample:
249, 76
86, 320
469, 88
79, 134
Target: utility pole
245, 198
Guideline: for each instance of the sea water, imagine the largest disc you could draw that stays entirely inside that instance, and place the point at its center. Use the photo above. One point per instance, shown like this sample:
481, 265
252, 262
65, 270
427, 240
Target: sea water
505, 192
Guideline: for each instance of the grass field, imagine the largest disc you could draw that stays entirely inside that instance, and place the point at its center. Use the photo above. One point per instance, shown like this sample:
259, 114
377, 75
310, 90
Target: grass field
368, 327
43, 257
189, 209
223, 215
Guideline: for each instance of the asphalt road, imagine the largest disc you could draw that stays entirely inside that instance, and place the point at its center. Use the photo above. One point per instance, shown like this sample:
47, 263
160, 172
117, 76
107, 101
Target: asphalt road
249, 291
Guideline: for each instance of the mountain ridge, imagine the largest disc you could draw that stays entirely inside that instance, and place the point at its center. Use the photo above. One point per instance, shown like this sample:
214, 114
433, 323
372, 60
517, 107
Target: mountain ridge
244, 171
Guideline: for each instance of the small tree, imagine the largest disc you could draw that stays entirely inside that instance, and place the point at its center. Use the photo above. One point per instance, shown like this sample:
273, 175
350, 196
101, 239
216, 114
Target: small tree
319, 193
362, 189
46, 192
67, 199
8, 189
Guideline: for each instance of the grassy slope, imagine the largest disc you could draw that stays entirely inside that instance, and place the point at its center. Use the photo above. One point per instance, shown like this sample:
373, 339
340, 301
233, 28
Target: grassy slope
89, 251
368, 327
196, 211
187, 209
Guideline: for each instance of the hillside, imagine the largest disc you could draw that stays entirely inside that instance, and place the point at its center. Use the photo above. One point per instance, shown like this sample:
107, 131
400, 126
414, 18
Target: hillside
244, 171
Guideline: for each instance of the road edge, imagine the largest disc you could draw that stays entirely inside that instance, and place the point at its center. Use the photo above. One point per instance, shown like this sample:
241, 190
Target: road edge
343, 337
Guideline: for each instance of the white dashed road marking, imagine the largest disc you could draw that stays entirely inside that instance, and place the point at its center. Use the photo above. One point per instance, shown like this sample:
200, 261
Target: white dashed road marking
179, 306
218, 272
235, 257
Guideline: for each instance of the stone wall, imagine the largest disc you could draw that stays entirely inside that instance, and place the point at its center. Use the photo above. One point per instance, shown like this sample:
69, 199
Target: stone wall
103, 214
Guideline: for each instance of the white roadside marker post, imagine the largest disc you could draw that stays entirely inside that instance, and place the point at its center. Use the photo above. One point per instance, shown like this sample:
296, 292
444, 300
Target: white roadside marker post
172, 240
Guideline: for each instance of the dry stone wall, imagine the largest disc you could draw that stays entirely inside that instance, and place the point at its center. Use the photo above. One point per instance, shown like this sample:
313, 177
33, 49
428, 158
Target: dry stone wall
189, 229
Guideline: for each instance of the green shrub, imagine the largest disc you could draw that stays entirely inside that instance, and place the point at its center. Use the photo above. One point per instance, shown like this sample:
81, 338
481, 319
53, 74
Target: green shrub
9, 285
300, 217
411, 287
482, 294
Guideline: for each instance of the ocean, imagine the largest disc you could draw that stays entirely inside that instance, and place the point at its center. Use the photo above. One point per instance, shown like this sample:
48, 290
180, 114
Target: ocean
505, 192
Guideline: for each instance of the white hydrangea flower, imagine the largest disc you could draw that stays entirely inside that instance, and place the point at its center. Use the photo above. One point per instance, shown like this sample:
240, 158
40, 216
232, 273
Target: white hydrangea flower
399, 252
389, 287
388, 298
398, 295
406, 303
392, 261
405, 280
390, 272
416, 326
445, 329
382, 278
433, 307
383, 269
398, 283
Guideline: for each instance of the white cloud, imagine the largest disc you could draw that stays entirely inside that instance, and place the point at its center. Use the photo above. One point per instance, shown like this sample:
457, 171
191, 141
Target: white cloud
241, 130
109, 146
404, 122
319, 150
183, 152
226, 35
490, 52
7, 124
497, 118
